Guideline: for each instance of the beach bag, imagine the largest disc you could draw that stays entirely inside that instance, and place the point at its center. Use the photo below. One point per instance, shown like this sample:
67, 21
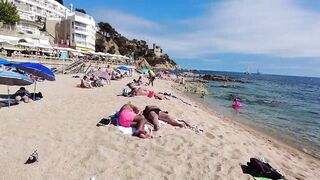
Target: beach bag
98, 83
126, 91
263, 169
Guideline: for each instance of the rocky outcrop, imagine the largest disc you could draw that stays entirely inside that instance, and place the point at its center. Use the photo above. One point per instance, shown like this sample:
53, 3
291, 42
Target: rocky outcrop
109, 40
221, 78
191, 87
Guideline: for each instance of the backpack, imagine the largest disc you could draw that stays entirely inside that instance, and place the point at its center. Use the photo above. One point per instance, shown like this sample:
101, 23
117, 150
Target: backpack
126, 91
263, 169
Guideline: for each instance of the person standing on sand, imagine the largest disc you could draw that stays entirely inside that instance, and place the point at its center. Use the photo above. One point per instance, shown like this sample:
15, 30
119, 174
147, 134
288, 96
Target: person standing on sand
151, 78
129, 117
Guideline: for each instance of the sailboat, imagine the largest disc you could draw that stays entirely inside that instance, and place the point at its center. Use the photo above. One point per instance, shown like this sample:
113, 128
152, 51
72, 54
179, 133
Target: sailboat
247, 72
258, 72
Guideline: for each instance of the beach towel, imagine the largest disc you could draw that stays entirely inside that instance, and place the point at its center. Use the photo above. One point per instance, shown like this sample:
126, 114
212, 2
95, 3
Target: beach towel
124, 130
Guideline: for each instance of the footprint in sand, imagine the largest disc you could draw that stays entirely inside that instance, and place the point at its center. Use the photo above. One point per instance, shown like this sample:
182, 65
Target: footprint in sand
210, 136
218, 169
236, 154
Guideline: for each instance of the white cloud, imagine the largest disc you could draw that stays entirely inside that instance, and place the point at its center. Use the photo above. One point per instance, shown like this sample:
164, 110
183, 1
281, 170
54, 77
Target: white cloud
271, 27
129, 25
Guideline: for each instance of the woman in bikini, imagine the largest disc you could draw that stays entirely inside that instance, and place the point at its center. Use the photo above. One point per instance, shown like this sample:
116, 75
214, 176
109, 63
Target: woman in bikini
129, 117
154, 113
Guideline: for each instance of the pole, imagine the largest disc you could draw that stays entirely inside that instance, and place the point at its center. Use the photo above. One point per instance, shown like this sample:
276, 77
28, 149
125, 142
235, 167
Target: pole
34, 90
9, 96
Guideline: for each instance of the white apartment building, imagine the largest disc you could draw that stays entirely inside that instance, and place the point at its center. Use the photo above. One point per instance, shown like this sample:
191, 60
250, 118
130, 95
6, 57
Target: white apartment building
63, 27
33, 14
82, 31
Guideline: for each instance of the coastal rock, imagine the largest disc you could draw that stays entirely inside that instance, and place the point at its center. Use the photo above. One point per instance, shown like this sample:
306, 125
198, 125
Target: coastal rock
221, 78
109, 40
191, 87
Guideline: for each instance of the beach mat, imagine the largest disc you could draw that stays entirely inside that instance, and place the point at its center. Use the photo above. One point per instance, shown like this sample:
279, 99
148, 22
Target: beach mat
6, 104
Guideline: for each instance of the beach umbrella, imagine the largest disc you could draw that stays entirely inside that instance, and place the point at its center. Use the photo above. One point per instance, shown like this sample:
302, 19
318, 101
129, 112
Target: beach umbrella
5, 62
38, 70
101, 74
13, 79
146, 70
125, 68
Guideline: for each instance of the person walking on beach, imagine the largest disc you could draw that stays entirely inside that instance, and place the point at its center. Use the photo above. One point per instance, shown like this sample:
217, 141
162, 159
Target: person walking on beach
151, 78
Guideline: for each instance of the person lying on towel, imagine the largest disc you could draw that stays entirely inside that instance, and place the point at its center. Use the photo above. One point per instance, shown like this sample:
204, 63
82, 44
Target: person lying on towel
154, 113
129, 117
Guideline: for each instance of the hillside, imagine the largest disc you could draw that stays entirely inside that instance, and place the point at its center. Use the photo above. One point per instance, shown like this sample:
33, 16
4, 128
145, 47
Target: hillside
108, 40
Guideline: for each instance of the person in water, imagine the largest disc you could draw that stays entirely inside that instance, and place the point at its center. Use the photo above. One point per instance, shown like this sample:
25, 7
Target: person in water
236, 103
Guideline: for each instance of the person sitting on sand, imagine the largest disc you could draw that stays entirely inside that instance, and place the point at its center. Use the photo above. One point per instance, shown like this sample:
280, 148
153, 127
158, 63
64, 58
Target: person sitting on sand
154, 113
182, 81
138, 81
22, 95
129, 117
85, 82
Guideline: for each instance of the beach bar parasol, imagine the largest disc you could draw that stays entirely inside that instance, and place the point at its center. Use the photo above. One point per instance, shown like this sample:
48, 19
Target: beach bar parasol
13, 79
38, 70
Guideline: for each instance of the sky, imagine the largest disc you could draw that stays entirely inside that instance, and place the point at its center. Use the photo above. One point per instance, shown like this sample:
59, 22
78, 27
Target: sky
274, 36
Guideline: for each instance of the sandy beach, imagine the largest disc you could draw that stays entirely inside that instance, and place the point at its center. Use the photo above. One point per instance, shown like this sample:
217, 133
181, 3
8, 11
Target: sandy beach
62, 128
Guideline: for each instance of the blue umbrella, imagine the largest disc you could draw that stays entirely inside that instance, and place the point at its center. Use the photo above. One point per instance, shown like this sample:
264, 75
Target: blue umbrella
13, 79
36, 69
125, 68
145, 70
5, 62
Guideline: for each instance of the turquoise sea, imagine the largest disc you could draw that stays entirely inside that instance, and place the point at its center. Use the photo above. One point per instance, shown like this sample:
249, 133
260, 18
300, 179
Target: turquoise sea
285, 107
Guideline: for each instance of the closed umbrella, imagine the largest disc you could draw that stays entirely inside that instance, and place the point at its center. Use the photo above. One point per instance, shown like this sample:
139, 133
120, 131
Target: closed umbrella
13, 79
38, 70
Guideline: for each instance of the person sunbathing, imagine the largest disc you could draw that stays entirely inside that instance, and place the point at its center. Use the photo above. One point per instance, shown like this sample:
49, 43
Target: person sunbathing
143, 92
22, 95
154, 113
85, 82
129, 117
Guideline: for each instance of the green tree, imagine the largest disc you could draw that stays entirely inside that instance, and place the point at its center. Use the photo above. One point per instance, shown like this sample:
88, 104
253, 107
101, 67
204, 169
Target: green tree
60, 1
81, 10
8, 12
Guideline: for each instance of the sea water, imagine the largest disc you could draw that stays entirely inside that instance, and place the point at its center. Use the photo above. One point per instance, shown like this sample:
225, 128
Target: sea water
285, 107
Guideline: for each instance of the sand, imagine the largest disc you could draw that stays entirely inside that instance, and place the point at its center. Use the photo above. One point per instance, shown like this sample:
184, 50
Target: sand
62, 128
